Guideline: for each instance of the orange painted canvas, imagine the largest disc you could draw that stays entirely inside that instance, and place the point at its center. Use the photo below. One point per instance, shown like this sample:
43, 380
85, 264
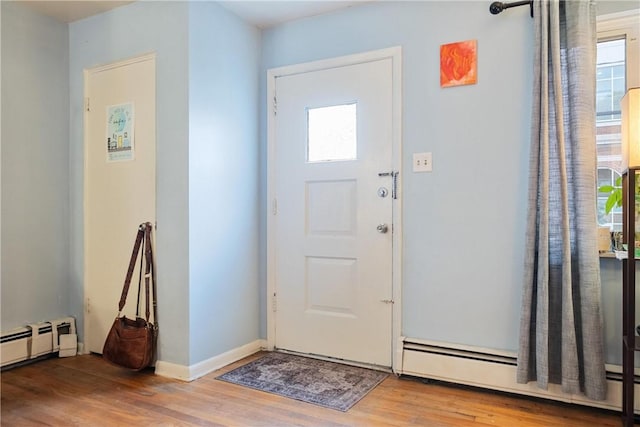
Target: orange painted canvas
458, 63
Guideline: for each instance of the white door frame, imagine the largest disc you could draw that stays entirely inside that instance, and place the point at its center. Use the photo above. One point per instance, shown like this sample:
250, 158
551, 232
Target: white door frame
395, 53
86, 74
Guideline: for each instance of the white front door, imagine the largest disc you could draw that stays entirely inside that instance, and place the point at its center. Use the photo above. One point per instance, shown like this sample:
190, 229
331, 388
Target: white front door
333, 206
119, 184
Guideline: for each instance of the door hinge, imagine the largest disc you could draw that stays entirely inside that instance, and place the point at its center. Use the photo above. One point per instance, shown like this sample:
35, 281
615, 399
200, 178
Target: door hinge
88, 306
274, 303
274, 207
87, 105
275, 105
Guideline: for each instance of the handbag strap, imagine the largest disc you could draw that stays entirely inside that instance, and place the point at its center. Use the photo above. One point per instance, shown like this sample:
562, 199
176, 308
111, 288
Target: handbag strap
153, 279
132, 264
147, 270
149, 275
139, 280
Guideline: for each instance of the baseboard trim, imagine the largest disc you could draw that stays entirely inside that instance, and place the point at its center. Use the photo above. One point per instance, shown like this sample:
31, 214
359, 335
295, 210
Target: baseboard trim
496, 374
190, 373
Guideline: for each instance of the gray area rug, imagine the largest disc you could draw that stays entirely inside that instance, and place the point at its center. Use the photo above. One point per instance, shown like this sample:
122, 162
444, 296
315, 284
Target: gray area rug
322, 383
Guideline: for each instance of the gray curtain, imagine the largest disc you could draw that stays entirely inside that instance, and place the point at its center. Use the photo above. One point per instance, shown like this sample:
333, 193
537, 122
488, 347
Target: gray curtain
561, 325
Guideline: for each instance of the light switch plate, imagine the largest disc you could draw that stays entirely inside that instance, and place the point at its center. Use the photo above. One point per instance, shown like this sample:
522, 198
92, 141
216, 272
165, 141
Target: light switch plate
422, 162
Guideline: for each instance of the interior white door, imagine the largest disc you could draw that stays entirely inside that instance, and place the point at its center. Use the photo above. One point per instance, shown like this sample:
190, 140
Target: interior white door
334, 222
119, 186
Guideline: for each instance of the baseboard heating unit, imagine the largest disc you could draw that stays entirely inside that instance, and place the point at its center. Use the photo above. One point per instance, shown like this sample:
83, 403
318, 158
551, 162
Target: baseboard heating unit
39, 340
496, 370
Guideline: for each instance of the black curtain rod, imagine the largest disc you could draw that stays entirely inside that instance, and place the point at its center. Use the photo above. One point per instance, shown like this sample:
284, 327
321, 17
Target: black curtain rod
497, 7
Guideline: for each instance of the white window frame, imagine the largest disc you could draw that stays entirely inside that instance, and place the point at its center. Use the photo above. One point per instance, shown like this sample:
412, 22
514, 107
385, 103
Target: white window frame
624, 24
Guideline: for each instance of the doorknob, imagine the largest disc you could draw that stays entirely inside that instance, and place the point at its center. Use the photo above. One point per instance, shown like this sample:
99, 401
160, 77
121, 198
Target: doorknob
382, 228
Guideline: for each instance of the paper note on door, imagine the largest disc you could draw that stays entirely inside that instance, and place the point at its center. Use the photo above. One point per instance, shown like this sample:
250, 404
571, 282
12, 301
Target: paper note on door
120, 135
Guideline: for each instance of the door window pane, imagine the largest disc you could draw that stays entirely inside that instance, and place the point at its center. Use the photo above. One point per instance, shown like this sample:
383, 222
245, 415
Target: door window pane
331, 133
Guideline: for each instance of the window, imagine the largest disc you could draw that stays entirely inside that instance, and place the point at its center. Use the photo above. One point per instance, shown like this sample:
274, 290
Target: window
616, 70
610, 177
610, 80
331, 133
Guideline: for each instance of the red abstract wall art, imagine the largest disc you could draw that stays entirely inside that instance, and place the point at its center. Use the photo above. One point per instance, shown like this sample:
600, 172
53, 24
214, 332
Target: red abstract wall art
458, 63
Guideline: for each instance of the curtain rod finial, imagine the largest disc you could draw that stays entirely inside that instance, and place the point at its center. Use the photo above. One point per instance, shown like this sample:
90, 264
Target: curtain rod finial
496, 7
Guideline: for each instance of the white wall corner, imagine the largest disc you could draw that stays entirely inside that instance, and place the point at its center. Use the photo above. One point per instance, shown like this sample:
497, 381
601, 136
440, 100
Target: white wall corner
190, 373
398, 356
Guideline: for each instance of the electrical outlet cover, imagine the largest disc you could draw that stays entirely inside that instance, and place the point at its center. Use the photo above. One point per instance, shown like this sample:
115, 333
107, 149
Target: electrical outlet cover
422, 162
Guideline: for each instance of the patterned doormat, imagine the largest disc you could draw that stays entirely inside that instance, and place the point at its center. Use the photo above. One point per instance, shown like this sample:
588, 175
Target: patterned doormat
332, 385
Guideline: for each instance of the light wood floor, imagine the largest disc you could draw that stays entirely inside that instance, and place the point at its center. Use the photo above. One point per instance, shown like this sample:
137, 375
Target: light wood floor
86, 391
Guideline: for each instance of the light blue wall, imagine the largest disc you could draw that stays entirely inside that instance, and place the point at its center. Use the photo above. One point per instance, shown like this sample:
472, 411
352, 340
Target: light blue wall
133, 30
207, 180
224, 54
464, 222
35, 163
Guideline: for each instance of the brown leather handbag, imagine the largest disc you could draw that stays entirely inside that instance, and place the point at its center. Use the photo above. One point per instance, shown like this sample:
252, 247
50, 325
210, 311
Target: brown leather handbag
131, 343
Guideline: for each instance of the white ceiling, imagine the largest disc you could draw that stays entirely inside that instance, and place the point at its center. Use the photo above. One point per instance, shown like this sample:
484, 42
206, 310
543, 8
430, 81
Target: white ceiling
268, 13
261, 13
69, 11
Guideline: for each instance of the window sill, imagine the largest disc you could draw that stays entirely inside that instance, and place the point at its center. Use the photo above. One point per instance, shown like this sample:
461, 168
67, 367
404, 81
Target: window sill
617, 255
608, 254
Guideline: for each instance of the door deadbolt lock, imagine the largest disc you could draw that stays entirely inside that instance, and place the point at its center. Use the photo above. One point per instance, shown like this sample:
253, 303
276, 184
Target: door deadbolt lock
382, 228
382, 192
394, 188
